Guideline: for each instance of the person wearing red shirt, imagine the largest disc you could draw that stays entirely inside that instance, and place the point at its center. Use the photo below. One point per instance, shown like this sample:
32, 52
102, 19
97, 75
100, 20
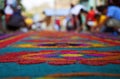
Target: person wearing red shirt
90, 18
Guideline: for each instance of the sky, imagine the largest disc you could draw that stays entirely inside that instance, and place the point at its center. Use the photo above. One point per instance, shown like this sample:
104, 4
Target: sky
29, 4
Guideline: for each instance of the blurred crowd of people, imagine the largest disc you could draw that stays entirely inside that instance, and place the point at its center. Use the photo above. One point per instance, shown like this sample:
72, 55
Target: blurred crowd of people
11, 18
103, 18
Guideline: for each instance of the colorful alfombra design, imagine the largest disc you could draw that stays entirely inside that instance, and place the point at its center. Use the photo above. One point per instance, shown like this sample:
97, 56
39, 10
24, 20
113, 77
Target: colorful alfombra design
63, 57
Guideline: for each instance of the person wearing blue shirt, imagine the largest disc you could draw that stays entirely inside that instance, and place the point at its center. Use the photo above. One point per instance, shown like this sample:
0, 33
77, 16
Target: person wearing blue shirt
112, 21
113, 12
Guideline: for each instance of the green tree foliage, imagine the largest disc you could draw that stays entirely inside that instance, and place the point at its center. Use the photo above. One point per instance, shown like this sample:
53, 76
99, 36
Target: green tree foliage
2, 3
20, 4
81, 1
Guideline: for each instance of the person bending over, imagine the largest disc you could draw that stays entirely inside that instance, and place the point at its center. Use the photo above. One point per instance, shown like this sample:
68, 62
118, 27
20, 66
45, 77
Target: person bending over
112, 21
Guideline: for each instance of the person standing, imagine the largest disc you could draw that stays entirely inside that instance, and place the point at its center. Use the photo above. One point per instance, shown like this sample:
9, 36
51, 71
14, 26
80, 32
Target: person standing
76, 12
2, 22
8, 12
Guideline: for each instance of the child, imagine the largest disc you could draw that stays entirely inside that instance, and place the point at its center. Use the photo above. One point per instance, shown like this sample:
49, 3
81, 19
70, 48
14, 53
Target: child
98, 20
90, 19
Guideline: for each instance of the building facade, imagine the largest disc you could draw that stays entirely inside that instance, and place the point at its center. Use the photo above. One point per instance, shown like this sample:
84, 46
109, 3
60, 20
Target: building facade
64, 4
92, 3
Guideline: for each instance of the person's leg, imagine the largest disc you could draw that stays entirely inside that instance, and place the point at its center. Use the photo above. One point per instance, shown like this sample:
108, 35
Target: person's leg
109, 29
112, 25
79, 23
88, 27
